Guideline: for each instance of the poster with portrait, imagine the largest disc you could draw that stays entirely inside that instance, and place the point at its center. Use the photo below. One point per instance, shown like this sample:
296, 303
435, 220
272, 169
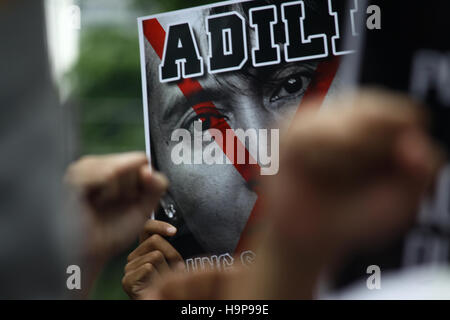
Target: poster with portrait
219, 81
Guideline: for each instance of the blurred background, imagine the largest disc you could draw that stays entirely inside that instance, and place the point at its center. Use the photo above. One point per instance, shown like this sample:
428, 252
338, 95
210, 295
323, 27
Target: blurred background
94, 53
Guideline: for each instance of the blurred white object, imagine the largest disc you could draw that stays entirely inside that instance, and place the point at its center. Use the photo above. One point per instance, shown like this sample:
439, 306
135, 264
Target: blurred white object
63, 19
429, 282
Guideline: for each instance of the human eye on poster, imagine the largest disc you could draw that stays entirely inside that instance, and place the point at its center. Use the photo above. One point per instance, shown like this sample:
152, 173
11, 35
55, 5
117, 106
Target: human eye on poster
219, 81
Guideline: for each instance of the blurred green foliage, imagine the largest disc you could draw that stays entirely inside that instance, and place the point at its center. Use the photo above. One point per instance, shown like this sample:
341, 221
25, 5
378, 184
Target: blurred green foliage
109, 92
109, 58
107, 87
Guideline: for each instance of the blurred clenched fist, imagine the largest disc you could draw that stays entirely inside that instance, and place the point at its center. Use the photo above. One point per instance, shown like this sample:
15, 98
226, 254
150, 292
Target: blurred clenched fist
117, 194
353, 172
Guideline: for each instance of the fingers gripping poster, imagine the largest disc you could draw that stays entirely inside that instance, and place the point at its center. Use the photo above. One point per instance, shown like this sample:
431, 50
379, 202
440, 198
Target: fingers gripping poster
219, 82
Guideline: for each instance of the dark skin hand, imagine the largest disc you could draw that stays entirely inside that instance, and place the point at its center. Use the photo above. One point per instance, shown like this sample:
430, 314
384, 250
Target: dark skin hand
351, 176
151, 260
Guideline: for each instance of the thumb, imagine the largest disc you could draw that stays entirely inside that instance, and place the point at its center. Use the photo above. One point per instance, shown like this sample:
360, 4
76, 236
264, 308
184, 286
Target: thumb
153, 185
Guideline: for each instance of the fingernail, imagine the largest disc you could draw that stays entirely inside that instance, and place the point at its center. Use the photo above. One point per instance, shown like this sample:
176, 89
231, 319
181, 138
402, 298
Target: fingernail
180, 266
171, 230
162, 180
147, 170
146, 174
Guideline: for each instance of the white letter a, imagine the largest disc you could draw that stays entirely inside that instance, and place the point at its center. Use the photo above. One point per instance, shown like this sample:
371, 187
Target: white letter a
74, 280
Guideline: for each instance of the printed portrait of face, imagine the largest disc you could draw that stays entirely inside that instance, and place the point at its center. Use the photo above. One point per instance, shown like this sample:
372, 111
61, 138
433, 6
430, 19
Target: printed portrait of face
216, 200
